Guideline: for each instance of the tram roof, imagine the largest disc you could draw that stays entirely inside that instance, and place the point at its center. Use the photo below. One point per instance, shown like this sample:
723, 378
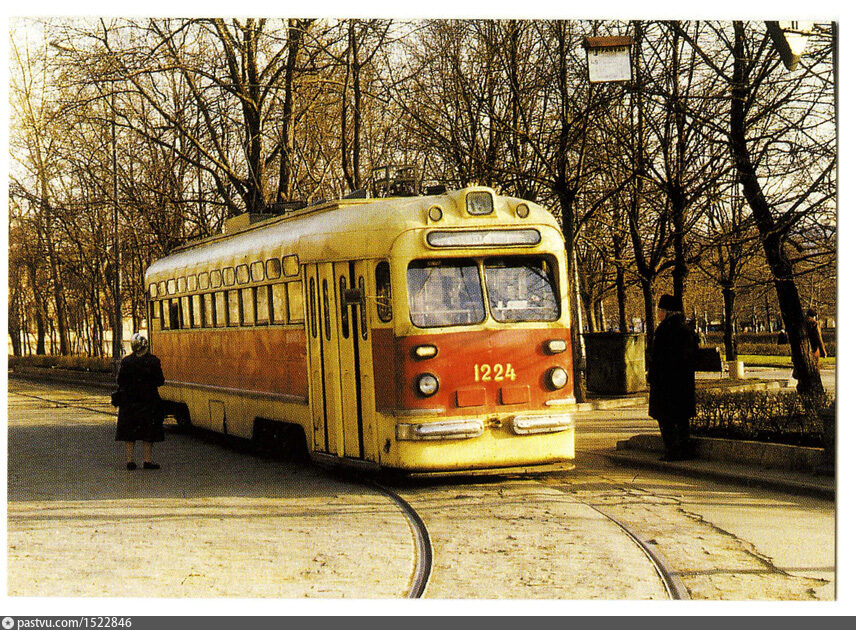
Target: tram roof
343, 229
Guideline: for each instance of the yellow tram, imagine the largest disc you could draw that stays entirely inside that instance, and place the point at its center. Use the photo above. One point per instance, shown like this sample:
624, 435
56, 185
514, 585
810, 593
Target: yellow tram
425, 334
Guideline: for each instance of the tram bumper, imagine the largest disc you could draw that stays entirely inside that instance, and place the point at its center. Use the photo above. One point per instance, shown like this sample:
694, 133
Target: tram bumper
444, 430
528, 425
473, 443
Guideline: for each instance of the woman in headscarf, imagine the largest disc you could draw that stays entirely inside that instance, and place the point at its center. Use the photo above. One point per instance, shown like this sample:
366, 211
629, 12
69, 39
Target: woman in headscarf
140, 410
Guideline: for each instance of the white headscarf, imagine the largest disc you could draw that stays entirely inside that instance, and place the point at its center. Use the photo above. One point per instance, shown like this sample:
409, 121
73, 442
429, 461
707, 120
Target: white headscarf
139, 344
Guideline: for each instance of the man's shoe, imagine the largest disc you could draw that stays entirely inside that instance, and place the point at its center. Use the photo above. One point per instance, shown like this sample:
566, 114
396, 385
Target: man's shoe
131, 466
151, 466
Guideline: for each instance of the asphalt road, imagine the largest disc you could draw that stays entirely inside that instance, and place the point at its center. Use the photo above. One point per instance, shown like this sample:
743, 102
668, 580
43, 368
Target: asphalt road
222, 521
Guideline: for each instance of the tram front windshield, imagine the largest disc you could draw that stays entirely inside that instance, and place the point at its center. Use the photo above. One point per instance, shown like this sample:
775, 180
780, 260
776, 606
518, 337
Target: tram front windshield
449, 292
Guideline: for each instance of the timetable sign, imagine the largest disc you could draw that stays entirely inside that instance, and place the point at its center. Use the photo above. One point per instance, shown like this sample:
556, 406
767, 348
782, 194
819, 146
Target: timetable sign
609, 64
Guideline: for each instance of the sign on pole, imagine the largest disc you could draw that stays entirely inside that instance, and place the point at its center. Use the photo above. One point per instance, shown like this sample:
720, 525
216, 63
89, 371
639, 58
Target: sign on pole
608, 58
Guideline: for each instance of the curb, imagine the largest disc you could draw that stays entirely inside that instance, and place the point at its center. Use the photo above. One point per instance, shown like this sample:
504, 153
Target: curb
764, 455
617, 403
59, 375
733, 473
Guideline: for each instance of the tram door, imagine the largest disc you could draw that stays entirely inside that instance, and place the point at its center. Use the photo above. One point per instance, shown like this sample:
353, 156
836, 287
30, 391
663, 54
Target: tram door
337, 334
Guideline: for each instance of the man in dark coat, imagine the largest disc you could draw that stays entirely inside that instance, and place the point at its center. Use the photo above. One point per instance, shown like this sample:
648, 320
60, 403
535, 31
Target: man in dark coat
140, 410
671, 376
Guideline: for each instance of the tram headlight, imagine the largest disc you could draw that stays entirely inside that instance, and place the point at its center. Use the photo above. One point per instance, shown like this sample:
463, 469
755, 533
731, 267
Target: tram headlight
557, 378
427, 384
555, 346
426, 351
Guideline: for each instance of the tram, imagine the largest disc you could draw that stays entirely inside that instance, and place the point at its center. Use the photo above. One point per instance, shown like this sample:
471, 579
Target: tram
427, 334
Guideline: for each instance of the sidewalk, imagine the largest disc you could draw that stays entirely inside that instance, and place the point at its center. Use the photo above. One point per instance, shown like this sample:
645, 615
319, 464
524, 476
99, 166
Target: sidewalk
774, 478
791, 481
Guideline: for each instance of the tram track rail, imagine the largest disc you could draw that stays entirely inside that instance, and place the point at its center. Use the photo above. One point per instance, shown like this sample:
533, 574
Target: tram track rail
424, 556
671, 580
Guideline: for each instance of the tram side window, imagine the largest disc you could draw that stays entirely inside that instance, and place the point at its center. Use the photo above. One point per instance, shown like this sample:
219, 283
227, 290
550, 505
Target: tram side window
187, 312
220, 308
228, 276
234, 315
164, 314
313, 311
364, 327
273, 268
208, 300
257, 271
326, 296
384, 292
198, 313
278, 303
248, 306
154, 315
243, 274
262, 295
343, 305
174, 314
295, 302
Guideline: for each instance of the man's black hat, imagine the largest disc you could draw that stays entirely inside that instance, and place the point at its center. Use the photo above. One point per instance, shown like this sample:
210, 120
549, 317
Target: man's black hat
669, 303
811, 313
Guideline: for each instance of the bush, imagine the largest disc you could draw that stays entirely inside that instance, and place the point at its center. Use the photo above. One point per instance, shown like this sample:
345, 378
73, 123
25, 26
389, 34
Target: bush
765, 344
766, 416
80, 363
766, 349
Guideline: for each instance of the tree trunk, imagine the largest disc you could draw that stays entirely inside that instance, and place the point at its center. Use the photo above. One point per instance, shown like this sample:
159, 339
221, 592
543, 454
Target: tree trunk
358, 96
286, 179
39, 310
620, 286
728, 323
59, 300
805, 366
14, 325
647, 285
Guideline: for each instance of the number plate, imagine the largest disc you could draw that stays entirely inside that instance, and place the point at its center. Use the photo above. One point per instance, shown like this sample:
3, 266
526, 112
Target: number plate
483, 372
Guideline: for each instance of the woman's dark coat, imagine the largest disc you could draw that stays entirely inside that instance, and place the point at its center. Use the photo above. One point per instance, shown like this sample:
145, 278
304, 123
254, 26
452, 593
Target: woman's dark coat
140, 411
671, 372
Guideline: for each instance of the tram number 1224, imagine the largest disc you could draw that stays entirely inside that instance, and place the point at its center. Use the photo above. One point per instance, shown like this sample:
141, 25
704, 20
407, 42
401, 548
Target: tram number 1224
484, 372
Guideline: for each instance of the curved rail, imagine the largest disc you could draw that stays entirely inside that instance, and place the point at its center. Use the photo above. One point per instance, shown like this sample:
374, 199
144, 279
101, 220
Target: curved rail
671, 581
424, 551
